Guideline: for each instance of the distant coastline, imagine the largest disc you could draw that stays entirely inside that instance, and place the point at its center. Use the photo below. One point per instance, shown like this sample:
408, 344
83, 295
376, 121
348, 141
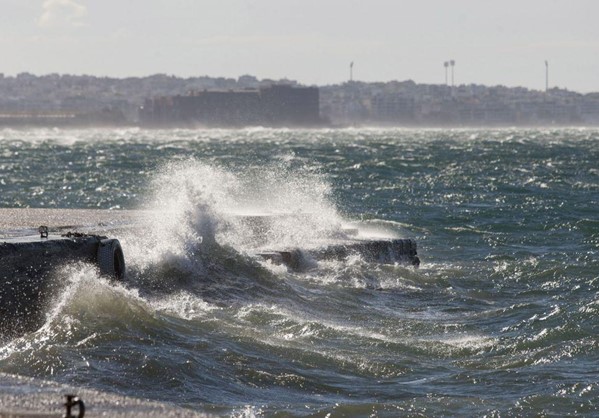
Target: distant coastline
82, 101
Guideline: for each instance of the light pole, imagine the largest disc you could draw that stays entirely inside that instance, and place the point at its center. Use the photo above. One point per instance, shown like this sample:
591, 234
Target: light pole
351, 71
546, 76
446, 64
452, 63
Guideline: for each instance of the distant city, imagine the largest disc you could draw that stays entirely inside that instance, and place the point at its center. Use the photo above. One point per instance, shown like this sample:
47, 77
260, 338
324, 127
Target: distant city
165, 101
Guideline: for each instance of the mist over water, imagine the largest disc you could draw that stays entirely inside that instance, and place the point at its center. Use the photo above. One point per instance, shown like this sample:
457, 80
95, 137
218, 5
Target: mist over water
501, 318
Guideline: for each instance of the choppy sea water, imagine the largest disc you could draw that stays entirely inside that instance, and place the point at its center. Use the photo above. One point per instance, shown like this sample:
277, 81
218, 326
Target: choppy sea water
499, 320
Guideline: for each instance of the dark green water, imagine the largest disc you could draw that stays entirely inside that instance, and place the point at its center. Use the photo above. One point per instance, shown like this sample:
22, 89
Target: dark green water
500, 320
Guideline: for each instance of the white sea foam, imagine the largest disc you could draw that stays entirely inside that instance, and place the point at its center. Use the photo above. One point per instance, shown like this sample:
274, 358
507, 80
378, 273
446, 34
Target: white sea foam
194, 204
184, 305
180, 215
468, 341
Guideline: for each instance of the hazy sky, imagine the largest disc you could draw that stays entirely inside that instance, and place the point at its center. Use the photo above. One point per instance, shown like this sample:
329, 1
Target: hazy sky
312, 41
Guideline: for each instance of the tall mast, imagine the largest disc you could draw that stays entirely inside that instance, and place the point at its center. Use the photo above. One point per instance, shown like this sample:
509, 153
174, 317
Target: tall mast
446, 64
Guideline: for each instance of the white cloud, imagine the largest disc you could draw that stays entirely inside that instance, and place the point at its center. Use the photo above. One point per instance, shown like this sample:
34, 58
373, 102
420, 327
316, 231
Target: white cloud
62, 13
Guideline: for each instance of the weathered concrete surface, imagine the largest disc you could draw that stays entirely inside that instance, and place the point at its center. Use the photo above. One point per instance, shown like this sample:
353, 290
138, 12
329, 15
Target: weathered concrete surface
22, 397
28, 264
12, 220
382, 251
26, 276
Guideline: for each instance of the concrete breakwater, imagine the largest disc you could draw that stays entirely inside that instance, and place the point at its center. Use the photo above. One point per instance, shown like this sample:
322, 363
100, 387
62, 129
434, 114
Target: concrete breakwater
382, 251
30, 274
17, 221
28, 263
27, 267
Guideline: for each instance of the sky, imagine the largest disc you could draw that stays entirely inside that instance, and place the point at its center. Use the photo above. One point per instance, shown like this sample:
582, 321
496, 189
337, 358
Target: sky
312, 41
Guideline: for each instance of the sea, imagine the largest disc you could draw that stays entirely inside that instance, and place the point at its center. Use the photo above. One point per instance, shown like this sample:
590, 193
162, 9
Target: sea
500, 319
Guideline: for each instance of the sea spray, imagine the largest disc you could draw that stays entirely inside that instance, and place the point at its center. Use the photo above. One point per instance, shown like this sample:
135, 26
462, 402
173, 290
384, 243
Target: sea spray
180, 218
194, 206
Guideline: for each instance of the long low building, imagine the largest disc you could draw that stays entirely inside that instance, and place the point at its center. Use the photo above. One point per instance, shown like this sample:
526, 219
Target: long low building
103, 117
275, 105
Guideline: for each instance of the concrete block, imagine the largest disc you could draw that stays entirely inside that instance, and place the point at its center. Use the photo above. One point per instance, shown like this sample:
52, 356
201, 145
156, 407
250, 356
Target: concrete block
392, 251
28, 278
